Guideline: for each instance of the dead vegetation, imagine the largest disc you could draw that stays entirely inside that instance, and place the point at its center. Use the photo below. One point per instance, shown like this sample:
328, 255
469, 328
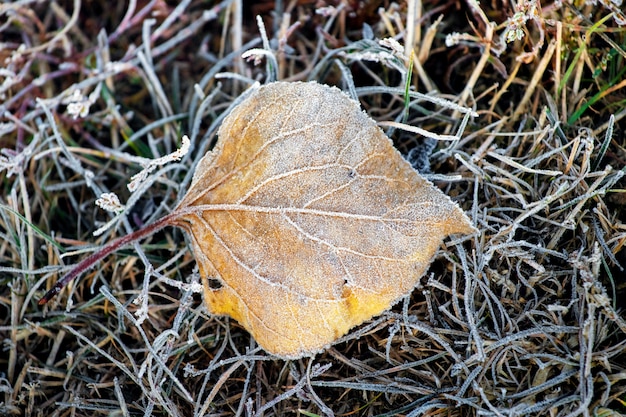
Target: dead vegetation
525, 319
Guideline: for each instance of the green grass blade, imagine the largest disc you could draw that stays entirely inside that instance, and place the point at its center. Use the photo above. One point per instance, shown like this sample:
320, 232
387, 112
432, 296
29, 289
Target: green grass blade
35, 228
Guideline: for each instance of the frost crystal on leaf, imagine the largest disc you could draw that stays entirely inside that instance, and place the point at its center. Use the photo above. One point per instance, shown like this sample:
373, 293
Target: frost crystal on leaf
110, 202
453, 39
255, 55
78, 105
151, 165
396, 48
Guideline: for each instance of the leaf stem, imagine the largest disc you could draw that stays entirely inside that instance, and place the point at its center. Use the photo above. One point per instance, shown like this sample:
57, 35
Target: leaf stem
107, 249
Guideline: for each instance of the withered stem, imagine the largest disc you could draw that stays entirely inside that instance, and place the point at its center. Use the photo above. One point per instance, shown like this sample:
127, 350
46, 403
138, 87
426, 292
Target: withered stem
107, 249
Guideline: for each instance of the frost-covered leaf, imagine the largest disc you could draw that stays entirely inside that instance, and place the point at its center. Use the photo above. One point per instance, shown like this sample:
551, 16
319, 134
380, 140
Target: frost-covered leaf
309, 218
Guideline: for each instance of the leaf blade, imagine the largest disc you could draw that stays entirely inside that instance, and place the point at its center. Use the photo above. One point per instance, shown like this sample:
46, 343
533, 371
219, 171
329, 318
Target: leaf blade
309, 218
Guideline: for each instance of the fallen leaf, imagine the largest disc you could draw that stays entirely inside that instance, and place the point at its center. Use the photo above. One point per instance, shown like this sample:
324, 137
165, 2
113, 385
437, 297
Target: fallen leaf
309, 218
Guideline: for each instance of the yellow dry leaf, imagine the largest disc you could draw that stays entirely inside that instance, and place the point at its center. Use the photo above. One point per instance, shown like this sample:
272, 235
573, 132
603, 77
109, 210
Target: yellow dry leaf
309, 218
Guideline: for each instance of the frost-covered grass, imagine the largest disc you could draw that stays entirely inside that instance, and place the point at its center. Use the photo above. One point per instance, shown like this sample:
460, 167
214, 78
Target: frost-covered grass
525, 319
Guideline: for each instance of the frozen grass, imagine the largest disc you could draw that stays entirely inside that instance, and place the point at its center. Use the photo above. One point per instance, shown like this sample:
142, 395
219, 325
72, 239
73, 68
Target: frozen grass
526, 319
